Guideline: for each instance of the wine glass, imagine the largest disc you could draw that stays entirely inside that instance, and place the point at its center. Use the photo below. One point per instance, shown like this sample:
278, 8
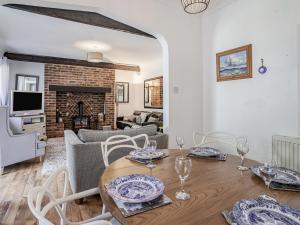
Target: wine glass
268, 173
180, 143
242, 150
151, 148
183, 167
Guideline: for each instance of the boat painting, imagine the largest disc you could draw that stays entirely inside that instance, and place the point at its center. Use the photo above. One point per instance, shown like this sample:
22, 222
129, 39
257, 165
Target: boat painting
235, 64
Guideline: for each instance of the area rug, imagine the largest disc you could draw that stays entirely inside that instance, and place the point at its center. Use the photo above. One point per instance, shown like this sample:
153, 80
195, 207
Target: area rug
55, 156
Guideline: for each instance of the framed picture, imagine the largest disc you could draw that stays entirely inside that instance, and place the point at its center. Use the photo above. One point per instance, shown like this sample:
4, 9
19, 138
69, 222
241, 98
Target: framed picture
235, 64
146, 93
122, 92
27, 82
153, 93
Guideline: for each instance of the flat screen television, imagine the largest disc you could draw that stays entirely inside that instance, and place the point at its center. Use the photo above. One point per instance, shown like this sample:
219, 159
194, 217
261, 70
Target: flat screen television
26, 103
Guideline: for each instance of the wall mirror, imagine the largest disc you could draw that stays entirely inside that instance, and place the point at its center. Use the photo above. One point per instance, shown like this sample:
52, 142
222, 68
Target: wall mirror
122, 92
153, 93
27, 83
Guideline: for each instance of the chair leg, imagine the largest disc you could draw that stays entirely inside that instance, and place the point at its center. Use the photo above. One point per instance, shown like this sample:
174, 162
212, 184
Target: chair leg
103, 209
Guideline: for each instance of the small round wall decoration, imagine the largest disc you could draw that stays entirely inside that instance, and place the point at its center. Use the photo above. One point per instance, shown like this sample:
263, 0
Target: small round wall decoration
262, 69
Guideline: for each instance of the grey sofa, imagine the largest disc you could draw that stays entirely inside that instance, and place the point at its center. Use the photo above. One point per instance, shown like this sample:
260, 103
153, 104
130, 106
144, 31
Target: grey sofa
84, 156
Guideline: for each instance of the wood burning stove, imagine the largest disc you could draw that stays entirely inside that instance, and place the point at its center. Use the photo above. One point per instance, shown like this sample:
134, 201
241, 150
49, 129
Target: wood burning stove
81, 121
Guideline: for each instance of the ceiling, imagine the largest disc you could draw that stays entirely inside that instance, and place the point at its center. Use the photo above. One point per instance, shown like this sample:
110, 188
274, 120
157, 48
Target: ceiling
41, 35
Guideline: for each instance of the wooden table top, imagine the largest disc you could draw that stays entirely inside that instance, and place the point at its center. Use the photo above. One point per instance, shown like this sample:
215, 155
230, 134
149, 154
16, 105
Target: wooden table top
214, 187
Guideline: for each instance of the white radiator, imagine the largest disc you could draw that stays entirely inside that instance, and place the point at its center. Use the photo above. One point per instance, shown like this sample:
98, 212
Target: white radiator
286, 151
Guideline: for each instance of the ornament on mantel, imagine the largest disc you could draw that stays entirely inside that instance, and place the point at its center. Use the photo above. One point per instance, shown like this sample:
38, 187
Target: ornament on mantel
262, 69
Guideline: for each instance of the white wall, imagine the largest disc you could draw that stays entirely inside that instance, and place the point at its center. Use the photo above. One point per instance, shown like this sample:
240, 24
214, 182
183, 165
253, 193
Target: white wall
136, 86
267, 104
124, 109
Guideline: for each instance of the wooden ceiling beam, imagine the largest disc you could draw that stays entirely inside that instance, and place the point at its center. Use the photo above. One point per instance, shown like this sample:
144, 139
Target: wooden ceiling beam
85, 17
79, 89
65, 61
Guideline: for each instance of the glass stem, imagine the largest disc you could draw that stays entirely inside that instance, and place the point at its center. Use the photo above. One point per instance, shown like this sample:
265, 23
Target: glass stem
150, 159
182, 185
242, 160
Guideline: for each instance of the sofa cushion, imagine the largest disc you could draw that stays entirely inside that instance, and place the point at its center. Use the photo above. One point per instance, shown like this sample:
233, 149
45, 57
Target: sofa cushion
98, 135
144, 117
152, 119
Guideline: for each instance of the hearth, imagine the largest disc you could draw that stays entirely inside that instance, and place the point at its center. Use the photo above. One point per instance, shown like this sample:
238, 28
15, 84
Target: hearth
80, 121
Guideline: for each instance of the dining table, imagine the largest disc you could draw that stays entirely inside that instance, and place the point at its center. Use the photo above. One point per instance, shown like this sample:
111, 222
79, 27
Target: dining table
214, 186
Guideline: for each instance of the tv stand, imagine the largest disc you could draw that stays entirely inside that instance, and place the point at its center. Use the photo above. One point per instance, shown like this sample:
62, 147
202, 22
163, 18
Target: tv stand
29, 124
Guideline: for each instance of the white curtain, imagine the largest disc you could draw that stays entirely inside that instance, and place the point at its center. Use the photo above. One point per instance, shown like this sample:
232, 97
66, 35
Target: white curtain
4, 81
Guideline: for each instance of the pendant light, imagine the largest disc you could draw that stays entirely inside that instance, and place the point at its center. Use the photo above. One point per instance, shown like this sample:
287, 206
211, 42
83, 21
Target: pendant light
195, 6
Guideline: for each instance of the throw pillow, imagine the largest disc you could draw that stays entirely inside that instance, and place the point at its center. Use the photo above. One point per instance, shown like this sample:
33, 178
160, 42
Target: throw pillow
138, 120
152, 119
143, 117
131, 118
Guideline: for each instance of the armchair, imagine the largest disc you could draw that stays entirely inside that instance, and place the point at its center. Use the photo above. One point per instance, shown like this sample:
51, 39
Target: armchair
16, 148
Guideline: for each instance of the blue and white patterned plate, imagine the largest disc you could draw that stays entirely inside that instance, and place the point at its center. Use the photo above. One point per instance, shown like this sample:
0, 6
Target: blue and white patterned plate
145, 155
264, 211
136, 188
205, 151
283, 176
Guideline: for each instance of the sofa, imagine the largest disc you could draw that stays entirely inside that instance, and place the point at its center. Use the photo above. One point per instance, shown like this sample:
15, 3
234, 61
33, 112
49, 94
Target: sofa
84, 156
140, 118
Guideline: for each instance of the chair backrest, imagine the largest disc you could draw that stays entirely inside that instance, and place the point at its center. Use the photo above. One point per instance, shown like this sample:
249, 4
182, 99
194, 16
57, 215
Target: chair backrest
38, 194
40, 209
220, 140
120, 142
286, 151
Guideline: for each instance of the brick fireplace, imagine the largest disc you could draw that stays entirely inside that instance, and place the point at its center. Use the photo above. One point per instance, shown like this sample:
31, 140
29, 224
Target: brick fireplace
66, 101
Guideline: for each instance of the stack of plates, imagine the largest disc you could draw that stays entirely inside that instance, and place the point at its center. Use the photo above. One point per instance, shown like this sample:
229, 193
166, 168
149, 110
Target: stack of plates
136, 188
142, 154
205, 152
262, 211
285, 179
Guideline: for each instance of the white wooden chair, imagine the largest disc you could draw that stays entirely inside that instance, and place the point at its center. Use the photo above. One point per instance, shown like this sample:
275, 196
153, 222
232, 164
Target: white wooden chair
220, 140
118, 142
38, 194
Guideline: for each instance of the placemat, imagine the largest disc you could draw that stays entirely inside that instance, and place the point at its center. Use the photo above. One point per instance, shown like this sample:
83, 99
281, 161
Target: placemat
275, 184
284, 187
131, 209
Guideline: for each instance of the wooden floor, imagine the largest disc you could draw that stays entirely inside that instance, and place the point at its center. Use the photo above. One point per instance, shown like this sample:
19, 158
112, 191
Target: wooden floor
14, 186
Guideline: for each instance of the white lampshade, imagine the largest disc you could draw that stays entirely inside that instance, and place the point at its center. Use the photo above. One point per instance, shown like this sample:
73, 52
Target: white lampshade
94, 57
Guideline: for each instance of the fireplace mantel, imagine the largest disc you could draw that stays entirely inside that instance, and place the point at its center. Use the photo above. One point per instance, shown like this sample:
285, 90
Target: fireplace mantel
79, 89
